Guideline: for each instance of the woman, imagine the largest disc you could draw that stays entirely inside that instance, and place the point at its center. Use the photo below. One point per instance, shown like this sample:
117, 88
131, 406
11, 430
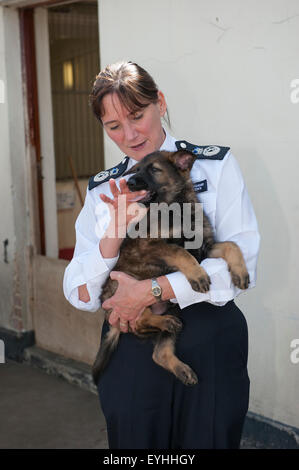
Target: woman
144, 405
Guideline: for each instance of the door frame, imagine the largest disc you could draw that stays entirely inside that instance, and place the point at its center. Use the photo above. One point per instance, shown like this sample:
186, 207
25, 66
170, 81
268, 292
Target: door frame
58, 327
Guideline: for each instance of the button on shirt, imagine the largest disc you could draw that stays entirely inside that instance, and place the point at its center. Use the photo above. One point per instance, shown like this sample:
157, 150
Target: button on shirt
228, 207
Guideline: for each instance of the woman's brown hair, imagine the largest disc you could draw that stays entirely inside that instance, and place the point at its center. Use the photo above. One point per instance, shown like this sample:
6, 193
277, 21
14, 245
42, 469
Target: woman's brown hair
133, 85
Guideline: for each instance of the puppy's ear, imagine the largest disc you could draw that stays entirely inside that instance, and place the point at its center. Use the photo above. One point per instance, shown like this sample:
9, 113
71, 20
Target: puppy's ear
184, 160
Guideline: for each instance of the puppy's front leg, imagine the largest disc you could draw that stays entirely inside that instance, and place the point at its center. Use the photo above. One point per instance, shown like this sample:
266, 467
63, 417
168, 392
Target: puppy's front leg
178, 258
232, 254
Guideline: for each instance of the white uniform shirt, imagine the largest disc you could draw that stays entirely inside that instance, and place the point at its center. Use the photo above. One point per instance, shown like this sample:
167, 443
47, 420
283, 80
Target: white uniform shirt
226, 203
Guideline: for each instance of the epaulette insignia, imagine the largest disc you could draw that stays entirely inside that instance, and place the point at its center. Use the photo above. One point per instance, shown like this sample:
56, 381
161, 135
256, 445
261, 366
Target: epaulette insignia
105, 175
210, 152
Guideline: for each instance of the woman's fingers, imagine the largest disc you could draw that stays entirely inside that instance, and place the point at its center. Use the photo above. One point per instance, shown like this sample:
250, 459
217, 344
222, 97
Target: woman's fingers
123, 186
114, 188
116, 320
106, 198
130, 196
124, 326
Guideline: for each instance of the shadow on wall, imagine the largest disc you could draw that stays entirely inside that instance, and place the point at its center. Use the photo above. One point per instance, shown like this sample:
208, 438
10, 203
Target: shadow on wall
273, 282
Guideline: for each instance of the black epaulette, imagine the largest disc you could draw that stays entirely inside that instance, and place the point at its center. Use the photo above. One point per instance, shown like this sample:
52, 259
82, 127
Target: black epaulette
105, 175
210, 152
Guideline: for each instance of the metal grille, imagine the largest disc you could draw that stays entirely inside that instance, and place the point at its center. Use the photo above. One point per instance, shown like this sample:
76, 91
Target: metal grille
75, 61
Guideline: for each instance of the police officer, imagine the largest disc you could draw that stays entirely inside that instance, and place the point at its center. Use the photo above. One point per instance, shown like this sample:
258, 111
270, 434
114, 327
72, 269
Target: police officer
146, 406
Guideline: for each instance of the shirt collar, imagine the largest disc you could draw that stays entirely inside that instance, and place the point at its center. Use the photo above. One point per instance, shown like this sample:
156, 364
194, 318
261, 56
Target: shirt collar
168, 144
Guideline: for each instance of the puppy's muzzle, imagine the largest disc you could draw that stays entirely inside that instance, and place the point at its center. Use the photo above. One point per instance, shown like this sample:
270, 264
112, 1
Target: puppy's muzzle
136, 183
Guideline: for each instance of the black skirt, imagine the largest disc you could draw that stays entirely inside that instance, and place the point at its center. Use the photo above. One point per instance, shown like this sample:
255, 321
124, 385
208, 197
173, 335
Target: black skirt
147, 407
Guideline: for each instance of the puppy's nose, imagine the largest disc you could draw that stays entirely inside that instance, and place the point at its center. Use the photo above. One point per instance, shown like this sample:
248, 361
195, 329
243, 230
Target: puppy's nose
131, 183
135, 183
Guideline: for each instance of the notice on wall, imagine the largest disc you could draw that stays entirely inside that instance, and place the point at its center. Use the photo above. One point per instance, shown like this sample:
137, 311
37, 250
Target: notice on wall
65, 199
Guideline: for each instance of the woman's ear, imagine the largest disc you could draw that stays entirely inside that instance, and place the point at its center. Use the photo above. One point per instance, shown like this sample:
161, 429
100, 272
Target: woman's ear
162, 103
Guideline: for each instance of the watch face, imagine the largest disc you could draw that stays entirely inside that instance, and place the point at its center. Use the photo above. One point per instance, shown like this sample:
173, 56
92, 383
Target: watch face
156, 291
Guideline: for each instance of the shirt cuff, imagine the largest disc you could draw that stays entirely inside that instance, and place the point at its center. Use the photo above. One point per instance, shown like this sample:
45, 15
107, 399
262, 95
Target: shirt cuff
222, 290
94, 285
183, 291
92, 306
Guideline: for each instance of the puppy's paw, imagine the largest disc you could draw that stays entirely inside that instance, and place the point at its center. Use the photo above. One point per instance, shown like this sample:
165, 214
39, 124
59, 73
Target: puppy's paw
172, 324
185, 374
201, 284
240, 277
199, 279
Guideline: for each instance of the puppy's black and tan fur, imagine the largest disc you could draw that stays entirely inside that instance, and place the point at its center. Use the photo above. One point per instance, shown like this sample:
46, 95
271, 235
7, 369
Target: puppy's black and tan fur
166, 177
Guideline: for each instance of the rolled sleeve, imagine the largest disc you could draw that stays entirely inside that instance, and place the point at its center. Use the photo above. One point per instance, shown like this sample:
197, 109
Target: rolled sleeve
88, 265
94, 264
74, 277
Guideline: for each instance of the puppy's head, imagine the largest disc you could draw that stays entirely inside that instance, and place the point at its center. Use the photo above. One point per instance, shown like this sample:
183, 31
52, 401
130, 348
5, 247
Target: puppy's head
163, 174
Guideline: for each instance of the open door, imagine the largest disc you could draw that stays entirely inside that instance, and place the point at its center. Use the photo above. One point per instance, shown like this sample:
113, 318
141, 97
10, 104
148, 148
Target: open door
60, 61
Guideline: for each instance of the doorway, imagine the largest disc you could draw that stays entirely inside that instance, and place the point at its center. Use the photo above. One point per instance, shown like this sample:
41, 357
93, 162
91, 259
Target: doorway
63, 56
78, 137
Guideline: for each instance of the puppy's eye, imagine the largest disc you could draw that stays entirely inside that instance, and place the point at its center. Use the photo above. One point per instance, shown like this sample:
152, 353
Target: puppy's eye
155, 169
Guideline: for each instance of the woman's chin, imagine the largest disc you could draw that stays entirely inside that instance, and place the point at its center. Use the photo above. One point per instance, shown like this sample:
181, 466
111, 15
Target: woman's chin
140, 154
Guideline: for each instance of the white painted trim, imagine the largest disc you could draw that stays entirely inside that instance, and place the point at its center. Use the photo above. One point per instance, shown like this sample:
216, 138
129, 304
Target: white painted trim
46, 129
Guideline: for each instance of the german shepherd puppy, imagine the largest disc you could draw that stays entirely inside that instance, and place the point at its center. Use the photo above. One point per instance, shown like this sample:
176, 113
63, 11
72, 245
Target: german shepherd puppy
166, 177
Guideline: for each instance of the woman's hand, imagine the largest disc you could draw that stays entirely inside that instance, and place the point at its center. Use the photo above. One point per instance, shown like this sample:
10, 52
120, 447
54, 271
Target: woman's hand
124, 208
128, 301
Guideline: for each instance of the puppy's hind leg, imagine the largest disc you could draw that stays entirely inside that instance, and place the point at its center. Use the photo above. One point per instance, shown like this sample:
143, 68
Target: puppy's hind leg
149, 322
165, 357
108, 345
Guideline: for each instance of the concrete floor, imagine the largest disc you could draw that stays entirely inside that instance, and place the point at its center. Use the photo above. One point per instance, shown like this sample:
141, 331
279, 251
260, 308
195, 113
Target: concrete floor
41, 411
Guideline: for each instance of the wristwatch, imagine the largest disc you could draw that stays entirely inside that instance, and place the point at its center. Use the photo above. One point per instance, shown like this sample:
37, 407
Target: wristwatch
156, 289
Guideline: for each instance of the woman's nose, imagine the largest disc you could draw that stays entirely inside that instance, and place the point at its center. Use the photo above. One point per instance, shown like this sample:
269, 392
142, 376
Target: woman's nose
130, 132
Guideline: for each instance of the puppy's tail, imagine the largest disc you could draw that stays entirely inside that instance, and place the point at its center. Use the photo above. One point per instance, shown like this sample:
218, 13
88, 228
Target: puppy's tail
107, 347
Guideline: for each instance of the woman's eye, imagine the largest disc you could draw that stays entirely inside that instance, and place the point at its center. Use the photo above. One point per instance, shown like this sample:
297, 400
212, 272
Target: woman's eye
113, 128
138, 116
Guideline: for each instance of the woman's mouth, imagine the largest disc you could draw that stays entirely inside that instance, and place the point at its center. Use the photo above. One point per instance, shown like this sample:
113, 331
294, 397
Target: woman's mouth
139, 146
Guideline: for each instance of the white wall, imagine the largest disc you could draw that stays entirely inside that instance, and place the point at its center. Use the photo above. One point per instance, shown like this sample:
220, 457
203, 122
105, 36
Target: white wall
226, 68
